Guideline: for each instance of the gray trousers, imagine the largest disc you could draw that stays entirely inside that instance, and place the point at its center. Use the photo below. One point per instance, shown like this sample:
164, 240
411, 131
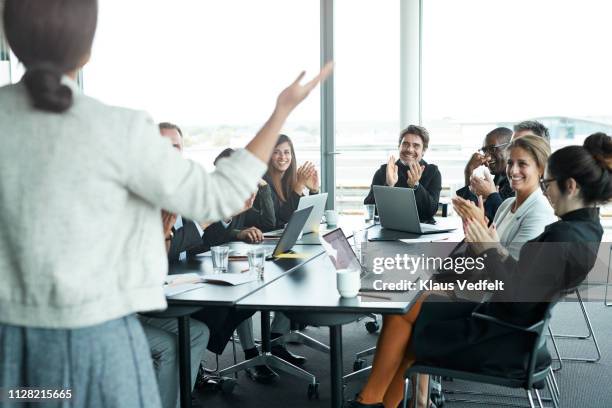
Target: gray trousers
280, 324
162, 335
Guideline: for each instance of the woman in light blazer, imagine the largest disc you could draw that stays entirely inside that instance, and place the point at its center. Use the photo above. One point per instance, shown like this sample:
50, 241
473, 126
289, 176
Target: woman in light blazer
82, 185
524, 216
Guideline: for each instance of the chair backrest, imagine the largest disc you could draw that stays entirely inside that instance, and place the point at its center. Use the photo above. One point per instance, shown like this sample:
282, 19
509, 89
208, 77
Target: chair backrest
539, 331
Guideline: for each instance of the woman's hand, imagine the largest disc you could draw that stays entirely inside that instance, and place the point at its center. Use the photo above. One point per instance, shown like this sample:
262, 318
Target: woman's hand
295, 93
480, 237
305, 174
467, 210
252, 235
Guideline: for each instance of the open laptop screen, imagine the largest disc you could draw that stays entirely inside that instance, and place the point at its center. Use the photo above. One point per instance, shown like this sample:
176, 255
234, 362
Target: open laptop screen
339, 250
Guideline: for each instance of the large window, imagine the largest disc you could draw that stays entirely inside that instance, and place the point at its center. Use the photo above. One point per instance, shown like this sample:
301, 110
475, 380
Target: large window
494, 63
215, 67
367, 94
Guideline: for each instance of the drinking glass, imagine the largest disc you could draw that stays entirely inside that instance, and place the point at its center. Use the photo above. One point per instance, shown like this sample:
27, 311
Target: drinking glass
257, 261
220, 257
360, 239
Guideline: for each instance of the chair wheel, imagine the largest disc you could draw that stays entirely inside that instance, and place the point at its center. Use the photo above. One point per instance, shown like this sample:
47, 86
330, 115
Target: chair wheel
313, 391
358, 364
372, 327
227, 385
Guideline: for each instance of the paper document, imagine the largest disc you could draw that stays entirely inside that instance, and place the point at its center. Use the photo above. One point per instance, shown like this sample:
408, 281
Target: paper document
171, 290
230, 278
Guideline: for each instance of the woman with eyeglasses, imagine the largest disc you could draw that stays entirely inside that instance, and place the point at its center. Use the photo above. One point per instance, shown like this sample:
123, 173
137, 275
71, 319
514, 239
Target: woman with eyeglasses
436, 332
523, 217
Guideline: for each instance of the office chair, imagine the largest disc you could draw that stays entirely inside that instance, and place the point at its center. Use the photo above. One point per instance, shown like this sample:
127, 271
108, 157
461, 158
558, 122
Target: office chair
295, 336
267, 358
589, 335
533, 379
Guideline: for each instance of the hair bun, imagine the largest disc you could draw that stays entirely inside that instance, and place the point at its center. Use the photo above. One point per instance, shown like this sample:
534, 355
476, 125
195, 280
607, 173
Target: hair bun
599, 145
44, 84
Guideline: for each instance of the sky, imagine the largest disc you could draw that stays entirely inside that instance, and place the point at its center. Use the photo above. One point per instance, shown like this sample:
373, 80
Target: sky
213, 62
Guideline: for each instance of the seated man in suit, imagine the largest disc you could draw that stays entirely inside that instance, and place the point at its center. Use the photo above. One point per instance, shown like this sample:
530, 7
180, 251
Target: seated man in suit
493, 156
248, 225
162, 334
411, 171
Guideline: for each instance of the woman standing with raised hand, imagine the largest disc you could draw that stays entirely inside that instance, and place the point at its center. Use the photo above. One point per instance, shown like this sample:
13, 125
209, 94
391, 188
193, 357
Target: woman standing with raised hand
83, 249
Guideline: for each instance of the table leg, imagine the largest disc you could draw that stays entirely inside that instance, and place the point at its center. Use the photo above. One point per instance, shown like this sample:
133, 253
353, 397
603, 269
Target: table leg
335, 345
265, 332
184, 347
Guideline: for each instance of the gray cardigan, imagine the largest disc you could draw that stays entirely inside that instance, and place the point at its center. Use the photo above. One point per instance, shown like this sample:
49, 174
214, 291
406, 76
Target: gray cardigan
81, 239
529, 221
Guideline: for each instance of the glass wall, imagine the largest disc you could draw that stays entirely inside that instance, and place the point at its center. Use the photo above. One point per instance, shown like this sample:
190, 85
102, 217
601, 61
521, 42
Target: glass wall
214, 68
367, 94
495, 63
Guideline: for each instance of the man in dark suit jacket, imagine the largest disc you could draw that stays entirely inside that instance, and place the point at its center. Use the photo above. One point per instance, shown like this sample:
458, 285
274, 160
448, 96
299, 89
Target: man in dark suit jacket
492, 154
411, 171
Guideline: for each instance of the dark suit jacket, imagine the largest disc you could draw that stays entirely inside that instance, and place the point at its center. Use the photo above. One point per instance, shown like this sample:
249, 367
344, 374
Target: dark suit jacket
185, 238
283, 210
494, 200
427, 194
445, 334
261, 215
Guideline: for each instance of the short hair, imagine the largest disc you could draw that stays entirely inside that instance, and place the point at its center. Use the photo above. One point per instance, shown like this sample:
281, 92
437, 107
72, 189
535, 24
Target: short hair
536, 146
534, 126
420, 131
589, 165
225, 153
502, 134
170, 126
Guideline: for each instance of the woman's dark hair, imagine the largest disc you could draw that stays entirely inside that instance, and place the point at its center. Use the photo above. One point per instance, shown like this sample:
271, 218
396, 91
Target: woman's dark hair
290, 177
225, 153
589, 165
50, 38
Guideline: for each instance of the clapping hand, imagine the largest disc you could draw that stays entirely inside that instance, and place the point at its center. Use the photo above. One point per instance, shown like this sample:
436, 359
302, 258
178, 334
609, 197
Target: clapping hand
307, 176
476, 161
468, 211
483, 186
391, 172
415, 171
480, 237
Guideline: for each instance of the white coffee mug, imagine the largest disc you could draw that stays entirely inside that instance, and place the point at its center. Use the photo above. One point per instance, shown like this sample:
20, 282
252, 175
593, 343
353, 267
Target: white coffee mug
348, 282
331, 217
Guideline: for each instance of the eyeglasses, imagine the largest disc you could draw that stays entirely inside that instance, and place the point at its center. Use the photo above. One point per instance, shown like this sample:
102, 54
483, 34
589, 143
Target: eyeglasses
546, 182
491, 148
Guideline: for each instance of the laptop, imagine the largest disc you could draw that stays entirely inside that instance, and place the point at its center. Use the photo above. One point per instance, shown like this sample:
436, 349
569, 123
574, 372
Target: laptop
317, 202
285, 243
397, 210
342, 256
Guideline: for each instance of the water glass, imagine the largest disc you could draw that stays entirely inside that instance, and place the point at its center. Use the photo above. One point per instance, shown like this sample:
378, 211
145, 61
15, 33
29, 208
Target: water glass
257, 261
220, 257
360, 238
370, 209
